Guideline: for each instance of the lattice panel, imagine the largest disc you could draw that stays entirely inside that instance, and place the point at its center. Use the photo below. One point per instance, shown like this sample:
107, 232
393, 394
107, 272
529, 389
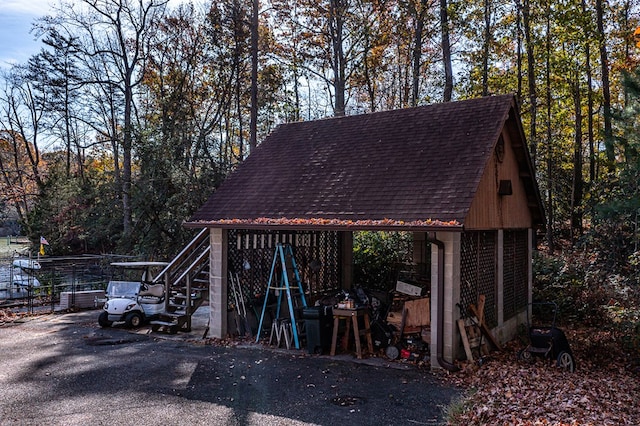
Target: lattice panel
468, 271
478, 272
521, 269
251, 255
516, 271
508, 275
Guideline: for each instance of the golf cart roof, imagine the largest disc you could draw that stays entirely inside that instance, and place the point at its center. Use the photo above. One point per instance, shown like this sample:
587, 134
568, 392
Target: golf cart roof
138, 264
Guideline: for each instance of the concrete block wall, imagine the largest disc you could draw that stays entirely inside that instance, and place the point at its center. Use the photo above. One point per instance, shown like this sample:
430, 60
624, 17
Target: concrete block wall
451, 296
218, 283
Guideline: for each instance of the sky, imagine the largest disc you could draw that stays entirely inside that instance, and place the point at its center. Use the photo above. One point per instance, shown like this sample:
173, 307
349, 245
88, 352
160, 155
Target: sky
17, 44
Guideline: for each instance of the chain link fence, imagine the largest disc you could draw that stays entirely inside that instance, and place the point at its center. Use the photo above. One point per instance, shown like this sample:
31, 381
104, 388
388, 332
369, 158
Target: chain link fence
30, 284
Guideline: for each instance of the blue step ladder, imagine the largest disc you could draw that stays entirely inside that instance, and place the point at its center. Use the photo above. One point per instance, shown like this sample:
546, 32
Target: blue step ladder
283, 253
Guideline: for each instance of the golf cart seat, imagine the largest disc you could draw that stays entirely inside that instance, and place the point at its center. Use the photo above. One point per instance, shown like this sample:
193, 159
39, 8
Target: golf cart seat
152, 293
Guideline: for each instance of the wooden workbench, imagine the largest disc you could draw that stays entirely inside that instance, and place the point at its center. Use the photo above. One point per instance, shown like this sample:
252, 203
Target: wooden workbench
353, 315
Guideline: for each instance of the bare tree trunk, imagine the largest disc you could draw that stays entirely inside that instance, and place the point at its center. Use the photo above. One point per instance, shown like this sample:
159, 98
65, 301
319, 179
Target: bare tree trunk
127, 143
486, 47
519, 48
446, 51
606, 93
578, 181
336, 26
253, 125
239, 114
369, 83
531, 78
590, 124
550, 192
417, 51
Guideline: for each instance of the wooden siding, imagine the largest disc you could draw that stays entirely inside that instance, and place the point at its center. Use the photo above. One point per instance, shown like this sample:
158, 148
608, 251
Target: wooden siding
489, 210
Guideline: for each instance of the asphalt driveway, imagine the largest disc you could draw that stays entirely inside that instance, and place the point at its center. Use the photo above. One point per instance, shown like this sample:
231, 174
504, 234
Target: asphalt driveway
62, 369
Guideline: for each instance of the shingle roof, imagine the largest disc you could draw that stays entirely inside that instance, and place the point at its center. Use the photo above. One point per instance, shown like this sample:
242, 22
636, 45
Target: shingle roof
415, 167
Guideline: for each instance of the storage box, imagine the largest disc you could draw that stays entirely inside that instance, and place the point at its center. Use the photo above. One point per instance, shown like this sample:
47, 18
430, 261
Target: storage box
83, 299
410, 289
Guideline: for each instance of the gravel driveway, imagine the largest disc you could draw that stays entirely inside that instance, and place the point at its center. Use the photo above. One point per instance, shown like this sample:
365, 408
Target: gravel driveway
62, 369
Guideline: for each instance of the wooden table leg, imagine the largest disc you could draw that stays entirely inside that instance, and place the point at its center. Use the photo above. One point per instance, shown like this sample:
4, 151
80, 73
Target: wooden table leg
356, 336
347, 333
336, 322
367, 331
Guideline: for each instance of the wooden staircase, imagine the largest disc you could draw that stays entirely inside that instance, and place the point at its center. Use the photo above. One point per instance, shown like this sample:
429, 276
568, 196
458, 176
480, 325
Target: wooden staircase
186, 283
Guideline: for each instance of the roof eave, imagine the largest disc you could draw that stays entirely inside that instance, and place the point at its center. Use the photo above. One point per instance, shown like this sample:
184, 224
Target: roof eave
330, 227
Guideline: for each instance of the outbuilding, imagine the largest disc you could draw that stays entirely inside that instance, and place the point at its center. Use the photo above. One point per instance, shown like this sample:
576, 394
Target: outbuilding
457, 175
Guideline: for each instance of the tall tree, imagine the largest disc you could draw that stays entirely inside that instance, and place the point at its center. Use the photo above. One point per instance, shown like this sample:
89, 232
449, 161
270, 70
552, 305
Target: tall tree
531, 75
371, 80
550, 207
419, 12
588, 32
23, 105
578, 180
518, 20
253, 140
331, 46
446, 51
113, 40
486, 45
55, 68
606, 89
336, 22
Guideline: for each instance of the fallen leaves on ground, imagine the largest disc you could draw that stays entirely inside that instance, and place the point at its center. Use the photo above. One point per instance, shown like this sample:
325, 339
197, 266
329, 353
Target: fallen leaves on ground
603, 390
7, 316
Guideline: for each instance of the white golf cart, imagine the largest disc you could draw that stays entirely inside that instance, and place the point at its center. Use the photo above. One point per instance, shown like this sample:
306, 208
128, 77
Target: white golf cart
134, 299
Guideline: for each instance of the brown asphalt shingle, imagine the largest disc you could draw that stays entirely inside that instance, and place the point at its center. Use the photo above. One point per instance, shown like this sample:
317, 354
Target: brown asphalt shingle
405, 165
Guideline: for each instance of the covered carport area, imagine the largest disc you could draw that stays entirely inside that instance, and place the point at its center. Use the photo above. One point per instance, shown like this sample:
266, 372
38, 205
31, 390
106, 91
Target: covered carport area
324, 255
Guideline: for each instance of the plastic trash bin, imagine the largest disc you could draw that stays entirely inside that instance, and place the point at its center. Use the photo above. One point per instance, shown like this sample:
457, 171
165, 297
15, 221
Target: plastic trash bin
318, 322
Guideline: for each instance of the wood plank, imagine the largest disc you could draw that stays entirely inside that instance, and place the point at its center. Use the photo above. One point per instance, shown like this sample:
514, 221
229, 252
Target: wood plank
395, 319
418, 312
481, 302
465, 340
485, 329
483, 349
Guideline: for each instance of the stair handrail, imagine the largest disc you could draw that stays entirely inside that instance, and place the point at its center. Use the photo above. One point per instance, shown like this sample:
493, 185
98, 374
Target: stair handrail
183, 254
196, 262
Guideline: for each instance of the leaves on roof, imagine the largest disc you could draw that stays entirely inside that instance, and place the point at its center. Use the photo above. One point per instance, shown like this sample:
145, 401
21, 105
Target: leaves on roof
335, 222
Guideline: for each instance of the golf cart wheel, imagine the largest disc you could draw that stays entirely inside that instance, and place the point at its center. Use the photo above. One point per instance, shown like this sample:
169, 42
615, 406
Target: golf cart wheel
103, 320
133, 320
566, 361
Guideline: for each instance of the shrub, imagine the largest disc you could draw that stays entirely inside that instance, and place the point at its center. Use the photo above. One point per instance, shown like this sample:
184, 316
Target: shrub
378, 256
584, 291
